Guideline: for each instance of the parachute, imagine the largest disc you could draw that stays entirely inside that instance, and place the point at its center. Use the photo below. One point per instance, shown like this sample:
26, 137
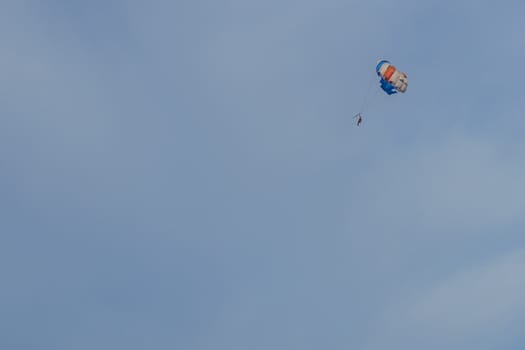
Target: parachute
392, 80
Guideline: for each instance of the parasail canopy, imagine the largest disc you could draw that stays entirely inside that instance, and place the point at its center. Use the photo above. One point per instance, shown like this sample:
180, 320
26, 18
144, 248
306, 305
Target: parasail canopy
392, 79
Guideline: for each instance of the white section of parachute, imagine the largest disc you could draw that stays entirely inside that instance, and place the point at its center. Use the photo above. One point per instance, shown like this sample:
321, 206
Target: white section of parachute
399, 80
383, 68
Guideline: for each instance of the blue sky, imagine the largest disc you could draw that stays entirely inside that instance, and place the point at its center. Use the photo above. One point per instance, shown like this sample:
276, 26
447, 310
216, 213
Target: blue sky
187, 175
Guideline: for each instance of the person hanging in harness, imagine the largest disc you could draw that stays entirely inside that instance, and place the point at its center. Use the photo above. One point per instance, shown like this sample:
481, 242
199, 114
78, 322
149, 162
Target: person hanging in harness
359, 118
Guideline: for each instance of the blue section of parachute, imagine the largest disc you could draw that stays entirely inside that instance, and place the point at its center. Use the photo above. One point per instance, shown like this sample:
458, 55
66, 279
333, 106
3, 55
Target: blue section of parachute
379, 64
387, 87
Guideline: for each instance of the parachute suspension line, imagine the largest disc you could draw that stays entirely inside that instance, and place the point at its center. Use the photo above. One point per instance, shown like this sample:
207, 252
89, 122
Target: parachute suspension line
366, 98
375, 93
